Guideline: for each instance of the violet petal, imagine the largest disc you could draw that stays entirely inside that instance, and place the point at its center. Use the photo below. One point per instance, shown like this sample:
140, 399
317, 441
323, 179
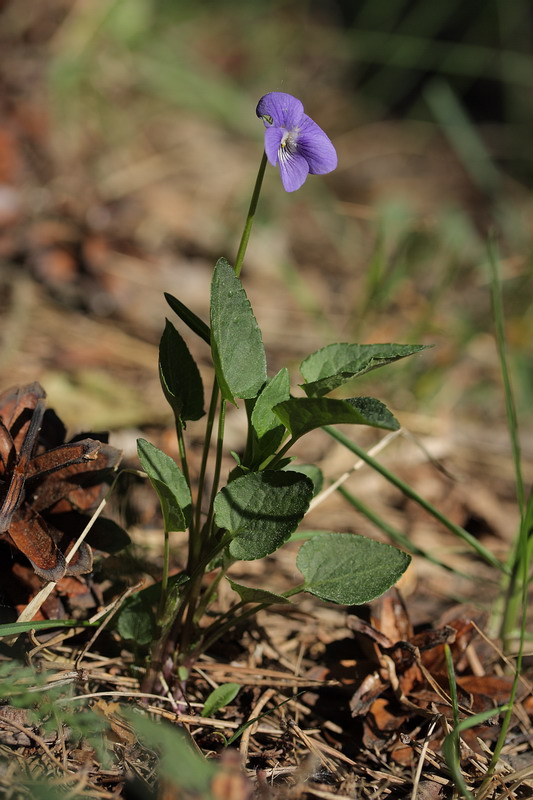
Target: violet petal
294, 169
273, 137
316, 147
285, 110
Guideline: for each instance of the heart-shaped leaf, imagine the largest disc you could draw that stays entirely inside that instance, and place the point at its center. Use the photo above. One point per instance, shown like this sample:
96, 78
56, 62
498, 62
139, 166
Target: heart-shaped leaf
303, 414
261, 510
169, 483
336, 364
180, 378
236, 342
349, 569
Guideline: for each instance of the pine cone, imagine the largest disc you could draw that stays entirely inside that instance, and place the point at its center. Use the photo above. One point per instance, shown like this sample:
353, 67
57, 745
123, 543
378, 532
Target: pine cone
48, 488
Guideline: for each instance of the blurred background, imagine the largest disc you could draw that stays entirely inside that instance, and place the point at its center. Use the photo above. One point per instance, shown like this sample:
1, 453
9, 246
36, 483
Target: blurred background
128, 151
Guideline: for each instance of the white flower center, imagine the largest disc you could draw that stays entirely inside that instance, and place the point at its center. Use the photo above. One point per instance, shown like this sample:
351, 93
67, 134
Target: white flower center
289, 139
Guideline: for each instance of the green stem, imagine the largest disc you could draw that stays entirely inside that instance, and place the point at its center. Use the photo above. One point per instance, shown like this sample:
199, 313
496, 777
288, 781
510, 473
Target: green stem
408, 492
195, 543
272, 461
251, 216
218, 466
217, 630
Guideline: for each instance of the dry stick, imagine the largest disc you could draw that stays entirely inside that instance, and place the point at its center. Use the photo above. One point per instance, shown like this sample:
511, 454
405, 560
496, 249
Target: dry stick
358, 465
113, 607
255, 712
37, 739
420, 764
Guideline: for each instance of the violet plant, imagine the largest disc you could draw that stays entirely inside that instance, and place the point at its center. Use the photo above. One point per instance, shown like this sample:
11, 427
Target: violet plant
266, 494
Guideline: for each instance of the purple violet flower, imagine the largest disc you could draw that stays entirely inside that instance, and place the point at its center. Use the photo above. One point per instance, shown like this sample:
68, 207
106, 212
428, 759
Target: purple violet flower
293, 140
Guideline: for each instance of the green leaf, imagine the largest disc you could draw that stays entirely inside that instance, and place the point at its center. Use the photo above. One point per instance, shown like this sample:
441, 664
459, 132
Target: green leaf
169, 483
276, 391
348, 568
250, 595
236, 343
180, 763
219, 698
180, 379
136, 617
303, 414
261, 510
15, 628
313, 472
194, 322
268, 433
336, 364
136, 620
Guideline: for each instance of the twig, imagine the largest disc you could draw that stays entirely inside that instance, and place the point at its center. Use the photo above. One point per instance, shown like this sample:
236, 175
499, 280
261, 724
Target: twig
358, 465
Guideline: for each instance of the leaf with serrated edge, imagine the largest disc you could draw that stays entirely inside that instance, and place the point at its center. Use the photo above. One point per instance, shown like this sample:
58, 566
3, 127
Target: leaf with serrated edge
303, 414
236, 342
349, 569
336, 364
261, 510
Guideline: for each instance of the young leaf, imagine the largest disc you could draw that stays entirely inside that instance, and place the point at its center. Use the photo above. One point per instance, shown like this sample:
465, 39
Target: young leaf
236, 343
303, 414
267, 430
250, 595
336, 364
349, 569
169, 483
194, 322
262, 509
220, 697
180, 378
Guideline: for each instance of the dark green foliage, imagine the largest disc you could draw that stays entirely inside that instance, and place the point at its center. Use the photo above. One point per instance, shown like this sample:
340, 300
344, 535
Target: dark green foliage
349, 569
180, 379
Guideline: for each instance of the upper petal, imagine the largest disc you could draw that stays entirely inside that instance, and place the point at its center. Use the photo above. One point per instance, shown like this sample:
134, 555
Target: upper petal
273, 137
285, 110
294, 169
316, 147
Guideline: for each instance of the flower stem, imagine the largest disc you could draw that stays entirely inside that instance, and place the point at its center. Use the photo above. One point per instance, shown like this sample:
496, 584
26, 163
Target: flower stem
251, 216
195, 543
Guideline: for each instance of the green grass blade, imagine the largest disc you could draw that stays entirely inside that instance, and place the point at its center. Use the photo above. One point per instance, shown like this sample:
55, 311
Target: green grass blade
510, 405
15, 628
450, 748
400, 538
461, 533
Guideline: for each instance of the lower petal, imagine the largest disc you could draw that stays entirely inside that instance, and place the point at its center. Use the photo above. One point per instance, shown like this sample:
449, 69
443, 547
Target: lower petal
294, 169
